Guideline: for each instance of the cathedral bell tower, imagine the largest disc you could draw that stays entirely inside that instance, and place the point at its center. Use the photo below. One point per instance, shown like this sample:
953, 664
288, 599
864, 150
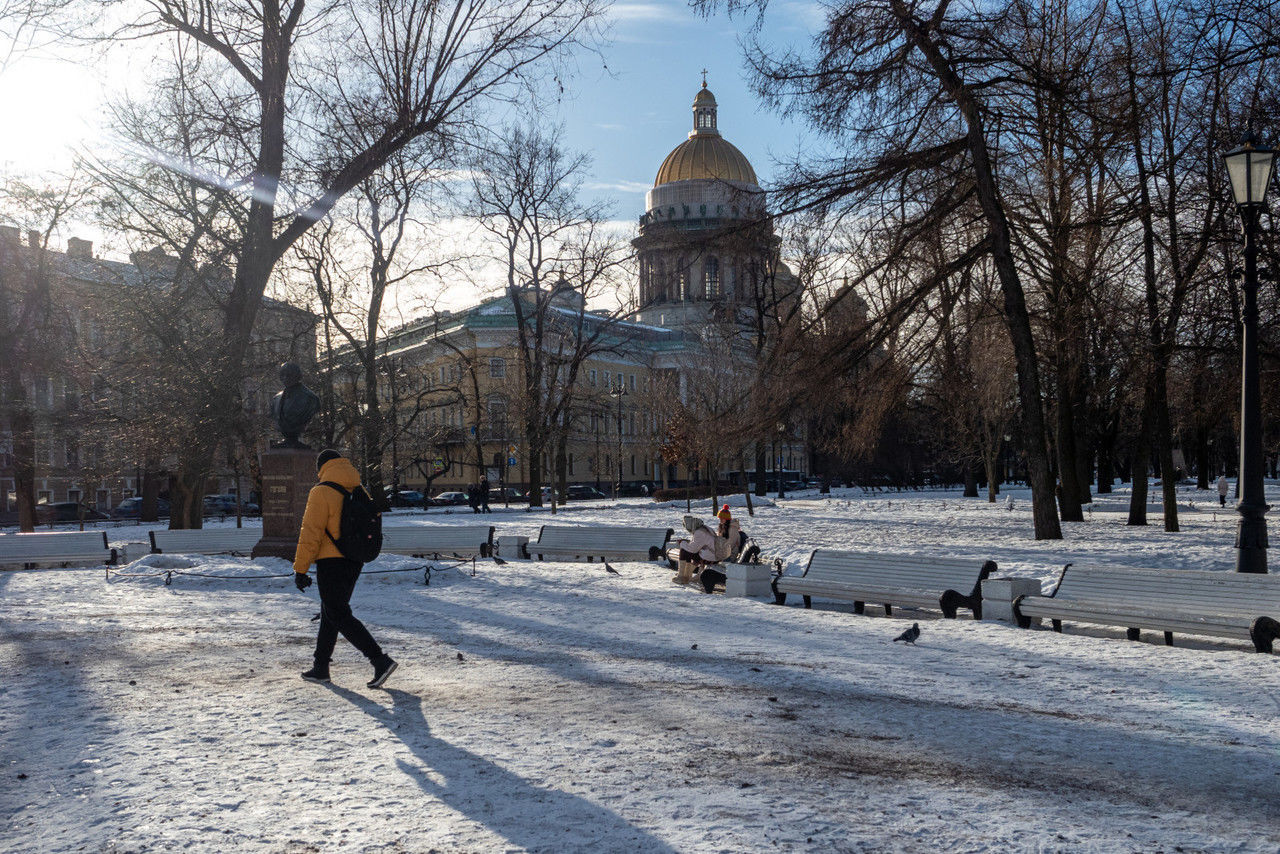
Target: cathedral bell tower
706, 243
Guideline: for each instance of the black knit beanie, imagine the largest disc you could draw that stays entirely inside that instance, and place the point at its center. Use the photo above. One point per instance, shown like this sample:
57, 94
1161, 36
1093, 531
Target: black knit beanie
324, 457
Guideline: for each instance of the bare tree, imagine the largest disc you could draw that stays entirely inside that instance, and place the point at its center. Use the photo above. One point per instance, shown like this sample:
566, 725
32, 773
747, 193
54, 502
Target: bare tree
36, 322
557, 256
303, 103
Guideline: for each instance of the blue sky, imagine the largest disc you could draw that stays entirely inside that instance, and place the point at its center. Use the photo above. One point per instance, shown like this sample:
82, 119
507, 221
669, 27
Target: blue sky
627, 117
631, 116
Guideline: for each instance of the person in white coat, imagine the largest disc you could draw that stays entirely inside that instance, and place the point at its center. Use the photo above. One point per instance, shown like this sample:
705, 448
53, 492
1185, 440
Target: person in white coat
699, 549
1223, 489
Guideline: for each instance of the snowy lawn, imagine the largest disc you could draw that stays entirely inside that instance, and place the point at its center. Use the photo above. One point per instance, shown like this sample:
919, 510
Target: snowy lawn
553, 707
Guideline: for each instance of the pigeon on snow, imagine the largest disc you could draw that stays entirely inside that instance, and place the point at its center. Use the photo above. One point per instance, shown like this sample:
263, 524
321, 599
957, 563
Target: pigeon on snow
909, 635
499, 561
609, 569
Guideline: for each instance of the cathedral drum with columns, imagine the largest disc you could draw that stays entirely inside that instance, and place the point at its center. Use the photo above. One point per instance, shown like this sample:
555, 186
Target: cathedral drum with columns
706, 243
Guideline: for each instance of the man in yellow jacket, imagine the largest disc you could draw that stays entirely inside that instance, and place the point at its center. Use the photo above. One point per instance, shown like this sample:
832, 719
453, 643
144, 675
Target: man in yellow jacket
336, 576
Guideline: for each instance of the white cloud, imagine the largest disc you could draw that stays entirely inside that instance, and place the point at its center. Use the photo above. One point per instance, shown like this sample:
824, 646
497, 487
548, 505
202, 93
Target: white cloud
619, 186
650, 13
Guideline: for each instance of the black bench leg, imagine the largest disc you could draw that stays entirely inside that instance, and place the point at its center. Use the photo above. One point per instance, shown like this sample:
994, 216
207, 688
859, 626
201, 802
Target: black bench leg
808, 603
1133, 634
778, 597
1023, 622
1057, 626
1168, 638
888, 609
1262, 632
859, 607
952, 600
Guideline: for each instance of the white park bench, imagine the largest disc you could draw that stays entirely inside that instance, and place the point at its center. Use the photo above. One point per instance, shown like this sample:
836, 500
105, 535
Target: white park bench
910, 581
83, 548
205, 541
1236, 605
438, 541
617, 542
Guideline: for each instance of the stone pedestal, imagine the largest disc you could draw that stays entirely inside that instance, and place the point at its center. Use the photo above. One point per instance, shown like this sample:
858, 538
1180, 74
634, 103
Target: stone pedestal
512, 547
747, 579
287, 477
998, 595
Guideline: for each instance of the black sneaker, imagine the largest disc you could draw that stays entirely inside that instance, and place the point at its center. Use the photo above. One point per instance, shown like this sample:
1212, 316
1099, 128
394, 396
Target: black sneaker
382, 668
316, 674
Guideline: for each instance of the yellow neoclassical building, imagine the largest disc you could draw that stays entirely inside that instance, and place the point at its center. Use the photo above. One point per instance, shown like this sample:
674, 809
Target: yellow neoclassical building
706, 252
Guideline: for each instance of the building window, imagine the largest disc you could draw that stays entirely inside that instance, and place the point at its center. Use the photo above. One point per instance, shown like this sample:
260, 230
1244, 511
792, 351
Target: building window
593, 377
711, 277
571, 464
631, 381
497, 414
498, 368
633, 464
619, 385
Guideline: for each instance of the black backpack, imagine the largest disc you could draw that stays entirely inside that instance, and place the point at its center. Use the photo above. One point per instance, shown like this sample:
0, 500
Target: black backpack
359, 527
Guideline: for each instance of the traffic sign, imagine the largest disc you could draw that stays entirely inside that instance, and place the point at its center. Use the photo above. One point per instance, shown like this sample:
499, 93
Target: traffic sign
438, 464
511, 461
512, 450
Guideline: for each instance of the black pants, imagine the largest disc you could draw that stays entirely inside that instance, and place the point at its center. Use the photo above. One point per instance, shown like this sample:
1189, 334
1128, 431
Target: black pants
336, 580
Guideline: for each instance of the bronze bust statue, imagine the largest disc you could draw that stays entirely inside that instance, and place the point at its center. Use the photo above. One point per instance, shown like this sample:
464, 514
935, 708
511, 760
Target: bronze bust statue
293, 407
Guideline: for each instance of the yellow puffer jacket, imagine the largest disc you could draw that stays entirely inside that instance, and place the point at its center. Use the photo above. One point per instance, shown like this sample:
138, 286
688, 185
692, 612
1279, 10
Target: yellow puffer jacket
323, 513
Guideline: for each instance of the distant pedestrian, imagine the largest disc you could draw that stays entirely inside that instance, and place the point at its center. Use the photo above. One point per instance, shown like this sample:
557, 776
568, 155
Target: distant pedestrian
1223, 489
484, 495
336, 575
473, 497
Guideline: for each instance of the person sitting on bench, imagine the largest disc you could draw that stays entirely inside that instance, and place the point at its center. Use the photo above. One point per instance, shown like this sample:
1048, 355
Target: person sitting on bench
695, 552
730, 541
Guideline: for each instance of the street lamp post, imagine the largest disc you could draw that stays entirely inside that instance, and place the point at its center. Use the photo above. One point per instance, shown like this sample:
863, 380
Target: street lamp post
619, 392
595, 464
1249, 168
777, 460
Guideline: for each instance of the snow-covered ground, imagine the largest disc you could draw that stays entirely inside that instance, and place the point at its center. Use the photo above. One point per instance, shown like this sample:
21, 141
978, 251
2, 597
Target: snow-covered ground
554, 707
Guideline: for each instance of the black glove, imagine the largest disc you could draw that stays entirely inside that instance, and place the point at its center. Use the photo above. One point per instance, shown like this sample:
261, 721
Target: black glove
302, 580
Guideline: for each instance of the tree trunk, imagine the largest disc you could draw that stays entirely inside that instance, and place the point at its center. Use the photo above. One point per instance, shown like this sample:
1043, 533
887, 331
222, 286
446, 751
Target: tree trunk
762, 487
24, 468
970, 481
1164, 448
149, 491
562, 463
186, 492
1067, 470
1106, 458
746, 493
991, 462
1202, 458
1044, 506
535, 451
1141, 459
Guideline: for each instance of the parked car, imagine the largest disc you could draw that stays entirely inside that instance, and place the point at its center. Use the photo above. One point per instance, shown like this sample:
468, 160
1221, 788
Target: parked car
131, 508
67, 511
582, 492
224, 504
450, 499
405, 498
512, 494
636, 488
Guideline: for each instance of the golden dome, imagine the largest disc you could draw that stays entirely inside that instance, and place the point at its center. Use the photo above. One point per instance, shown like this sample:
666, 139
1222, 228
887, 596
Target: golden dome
706, 156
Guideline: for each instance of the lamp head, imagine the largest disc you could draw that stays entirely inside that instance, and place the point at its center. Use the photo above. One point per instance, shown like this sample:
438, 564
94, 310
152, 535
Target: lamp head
1249, 167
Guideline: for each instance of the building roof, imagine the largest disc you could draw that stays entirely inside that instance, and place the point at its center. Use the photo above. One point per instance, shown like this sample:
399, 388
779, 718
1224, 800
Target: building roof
705, 155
